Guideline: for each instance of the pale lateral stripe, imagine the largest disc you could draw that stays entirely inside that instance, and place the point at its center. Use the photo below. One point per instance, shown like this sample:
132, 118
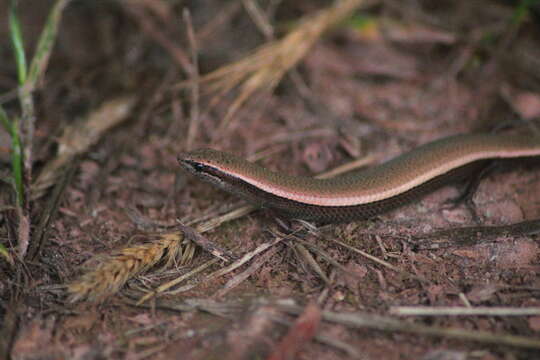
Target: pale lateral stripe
351, 200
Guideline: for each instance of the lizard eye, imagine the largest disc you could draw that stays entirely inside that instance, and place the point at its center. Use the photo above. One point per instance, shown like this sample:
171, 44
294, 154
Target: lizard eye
197, 166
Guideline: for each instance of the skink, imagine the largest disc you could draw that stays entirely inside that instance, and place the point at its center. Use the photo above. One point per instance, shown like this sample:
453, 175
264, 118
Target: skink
364, 194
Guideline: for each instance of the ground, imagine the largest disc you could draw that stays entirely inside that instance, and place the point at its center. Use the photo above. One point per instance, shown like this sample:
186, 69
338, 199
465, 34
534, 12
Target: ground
381, 81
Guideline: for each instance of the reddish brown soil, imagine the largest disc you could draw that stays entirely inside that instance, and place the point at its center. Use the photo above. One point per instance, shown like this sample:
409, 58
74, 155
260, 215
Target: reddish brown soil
449, 68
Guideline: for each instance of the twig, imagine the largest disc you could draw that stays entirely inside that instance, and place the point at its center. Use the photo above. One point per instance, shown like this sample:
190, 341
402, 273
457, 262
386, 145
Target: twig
463, 311
379, 261
259, 18
206, 244
290, 136
176, 281
471, 235
143, 222
264, 69
353, 165
312, 262
77, 139
383, 323
356, 320
326, 256
244, 259
153, 30
231, 215
194, 80
48, 214
227, 12
238, 279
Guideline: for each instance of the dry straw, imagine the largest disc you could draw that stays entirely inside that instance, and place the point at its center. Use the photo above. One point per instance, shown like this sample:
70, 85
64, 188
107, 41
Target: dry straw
114, 271
77, 139
264, 68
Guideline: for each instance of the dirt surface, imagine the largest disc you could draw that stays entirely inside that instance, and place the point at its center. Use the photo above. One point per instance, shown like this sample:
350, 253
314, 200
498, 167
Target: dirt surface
396, 75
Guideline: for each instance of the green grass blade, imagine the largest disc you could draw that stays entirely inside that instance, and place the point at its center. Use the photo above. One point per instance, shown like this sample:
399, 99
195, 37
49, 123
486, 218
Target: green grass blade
5, 120
16, 159
46, 43
16, 154
17, 162
522, 11
5, 253
17, 41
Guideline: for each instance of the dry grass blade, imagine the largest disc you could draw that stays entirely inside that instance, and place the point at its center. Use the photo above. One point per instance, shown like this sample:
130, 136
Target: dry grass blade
194, 117
463, 311
78, 139
323, 254
386, 323
238, 279
241, 261
112, 273
266, 66
244, 259
231, 215
157, 31
380, 262
178, 280
259, 18
312, 262
207, 245
39, 234
353, 165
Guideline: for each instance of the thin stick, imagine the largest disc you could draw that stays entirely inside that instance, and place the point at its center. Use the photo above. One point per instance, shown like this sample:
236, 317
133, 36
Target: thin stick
384, 323
206, 244
231, 215
194, 115
78, 138
49, 213
244, 259
259, 18
178, 280
357, 320
463, 311
350, 166
238, 279
312, 262
379, 261
326, 256
265, 67
154, 30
